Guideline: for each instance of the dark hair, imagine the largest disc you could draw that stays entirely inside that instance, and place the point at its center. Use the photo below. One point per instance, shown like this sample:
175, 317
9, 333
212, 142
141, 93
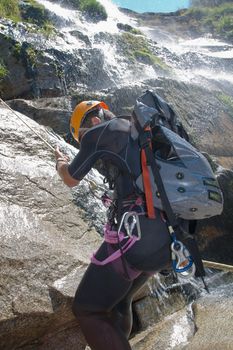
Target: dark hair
103, 114
86, 123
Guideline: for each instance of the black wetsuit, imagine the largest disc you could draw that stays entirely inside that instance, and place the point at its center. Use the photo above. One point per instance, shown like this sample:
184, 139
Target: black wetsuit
103, 299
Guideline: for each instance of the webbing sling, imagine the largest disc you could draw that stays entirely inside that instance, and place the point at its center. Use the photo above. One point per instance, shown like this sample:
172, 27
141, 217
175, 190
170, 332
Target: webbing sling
149, 160
147, 185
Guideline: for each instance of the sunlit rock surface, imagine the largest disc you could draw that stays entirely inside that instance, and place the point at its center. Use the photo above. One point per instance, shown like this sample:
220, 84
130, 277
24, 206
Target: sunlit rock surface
43, 239
204, 324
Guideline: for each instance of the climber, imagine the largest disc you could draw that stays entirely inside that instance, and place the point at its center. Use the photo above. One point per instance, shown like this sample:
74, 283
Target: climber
133, 250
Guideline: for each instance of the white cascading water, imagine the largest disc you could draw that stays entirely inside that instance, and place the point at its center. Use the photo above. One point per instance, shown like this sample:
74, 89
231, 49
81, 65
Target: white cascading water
75, 21
206, 49
71, 20
203, 60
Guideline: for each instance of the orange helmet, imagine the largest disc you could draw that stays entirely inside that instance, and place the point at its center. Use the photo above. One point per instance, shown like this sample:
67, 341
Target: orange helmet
79, 114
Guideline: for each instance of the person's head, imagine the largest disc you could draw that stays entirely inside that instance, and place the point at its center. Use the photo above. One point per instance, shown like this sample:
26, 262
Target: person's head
86, 115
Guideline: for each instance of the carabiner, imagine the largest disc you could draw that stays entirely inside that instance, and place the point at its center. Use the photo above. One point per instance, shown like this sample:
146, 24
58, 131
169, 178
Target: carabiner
130, 224
182, 261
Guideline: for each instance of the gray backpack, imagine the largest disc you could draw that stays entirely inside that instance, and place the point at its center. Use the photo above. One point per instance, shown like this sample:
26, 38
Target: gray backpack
179, 177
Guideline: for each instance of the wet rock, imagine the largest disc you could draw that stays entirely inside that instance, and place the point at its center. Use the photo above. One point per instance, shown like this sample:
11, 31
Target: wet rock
216, 312
38, 14
215, 234
165, 297
31, 72
204, 324
35, 68
52, 112
43, 239
81, 36
171, 333
154, 308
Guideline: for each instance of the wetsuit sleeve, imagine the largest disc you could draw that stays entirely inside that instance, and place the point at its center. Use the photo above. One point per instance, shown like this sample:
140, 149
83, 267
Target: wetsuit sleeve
84, 160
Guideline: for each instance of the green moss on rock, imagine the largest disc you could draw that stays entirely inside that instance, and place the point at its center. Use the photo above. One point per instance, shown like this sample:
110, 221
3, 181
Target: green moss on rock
10, 9
91, 8
218, 20
29, 11
226, 100
33, 12
128, 28
3, 70
136, 47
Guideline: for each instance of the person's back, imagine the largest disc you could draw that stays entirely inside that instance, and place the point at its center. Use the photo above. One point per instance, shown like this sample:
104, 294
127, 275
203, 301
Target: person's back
109, 141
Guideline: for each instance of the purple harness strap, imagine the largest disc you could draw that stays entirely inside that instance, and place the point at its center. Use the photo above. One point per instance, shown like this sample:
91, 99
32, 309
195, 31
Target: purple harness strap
113, 237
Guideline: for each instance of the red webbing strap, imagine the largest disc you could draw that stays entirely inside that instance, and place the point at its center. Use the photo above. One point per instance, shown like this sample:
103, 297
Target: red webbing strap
147, 186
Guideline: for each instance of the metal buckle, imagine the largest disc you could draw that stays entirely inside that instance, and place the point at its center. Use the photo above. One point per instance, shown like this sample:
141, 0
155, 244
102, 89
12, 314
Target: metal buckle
181, 260
129, 220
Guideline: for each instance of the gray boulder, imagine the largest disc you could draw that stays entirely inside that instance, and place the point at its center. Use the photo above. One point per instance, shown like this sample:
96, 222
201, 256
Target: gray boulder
43, 239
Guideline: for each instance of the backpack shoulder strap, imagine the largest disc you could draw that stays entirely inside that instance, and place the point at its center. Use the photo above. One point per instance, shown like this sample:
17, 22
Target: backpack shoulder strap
145, 138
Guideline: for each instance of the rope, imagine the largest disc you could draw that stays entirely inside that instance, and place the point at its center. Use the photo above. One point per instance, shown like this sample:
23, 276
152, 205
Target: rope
216, 265
23, 121
50, 146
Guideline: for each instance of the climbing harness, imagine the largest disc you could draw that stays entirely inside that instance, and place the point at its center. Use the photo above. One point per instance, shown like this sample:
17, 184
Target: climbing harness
129, 221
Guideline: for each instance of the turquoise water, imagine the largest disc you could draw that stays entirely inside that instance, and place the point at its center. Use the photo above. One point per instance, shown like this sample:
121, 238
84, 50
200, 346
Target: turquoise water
153, 5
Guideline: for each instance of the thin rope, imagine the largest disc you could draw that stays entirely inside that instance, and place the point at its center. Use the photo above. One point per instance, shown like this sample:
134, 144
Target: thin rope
23, 121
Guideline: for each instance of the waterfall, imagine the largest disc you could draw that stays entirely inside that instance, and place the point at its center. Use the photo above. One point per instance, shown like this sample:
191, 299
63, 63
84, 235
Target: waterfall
203, 59
70, 22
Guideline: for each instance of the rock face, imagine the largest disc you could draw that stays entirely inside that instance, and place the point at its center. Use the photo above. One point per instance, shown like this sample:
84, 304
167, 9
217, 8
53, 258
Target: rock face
48, 231
43, 239
46, 242
40, 67
204, 324
205, 117
215, 235
55, 114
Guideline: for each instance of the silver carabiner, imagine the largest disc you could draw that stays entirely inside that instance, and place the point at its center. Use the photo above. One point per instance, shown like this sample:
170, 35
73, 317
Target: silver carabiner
182, 261
130, 219
121, 223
